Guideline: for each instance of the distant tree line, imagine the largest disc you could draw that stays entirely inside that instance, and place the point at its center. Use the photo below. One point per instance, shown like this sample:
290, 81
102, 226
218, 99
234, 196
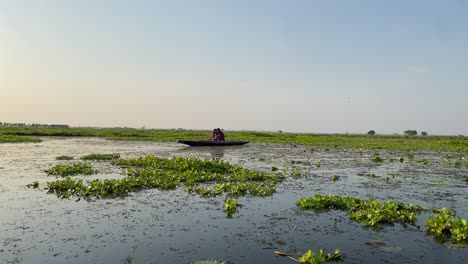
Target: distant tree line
407, 132
6, 124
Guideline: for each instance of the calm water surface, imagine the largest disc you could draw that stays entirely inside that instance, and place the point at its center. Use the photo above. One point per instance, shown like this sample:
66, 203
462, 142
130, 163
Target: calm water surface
155, 226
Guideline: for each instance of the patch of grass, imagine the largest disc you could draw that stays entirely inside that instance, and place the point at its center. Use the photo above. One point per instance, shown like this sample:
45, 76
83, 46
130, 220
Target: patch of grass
69, 170
438, 143
17, 139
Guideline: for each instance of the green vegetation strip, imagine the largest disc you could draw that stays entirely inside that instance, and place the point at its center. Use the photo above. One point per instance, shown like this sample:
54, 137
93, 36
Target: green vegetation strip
368, 212
63, 158
17, 139
444, 225
311, 257
97, 156
440, 143
168, 174
70, 170
371, 213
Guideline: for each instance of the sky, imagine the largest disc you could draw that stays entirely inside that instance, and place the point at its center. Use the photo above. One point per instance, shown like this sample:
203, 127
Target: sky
265, 65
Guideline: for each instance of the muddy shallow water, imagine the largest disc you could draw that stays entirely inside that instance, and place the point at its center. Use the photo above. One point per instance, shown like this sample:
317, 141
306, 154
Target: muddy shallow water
155, 226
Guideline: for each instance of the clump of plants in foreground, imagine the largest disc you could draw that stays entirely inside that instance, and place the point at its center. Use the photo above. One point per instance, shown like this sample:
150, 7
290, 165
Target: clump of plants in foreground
97, 156
70, 170
311, 257
373, 214
368, 212
168, 174
444, 225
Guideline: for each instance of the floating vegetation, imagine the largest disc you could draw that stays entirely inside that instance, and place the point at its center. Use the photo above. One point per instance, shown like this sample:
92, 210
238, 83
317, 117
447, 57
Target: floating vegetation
230, 207
311, 257
274, 168
423, 161
210, 261
167, 174
303, 162
445, 225
69, 170
296, 172
401, 159
319, 164
367, 212
63, 158
96, 156
376, 158
335, 178
34, 185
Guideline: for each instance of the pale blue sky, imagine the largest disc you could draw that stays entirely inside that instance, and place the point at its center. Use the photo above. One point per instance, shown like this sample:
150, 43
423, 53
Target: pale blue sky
299, 66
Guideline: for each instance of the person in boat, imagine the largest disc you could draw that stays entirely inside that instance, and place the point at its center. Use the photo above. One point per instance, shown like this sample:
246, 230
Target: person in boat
221, 134
215, 135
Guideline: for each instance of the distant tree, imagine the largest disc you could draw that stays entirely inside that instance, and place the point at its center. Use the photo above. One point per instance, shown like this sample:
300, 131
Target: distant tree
280, 131
424, 133
371, 133
411, 132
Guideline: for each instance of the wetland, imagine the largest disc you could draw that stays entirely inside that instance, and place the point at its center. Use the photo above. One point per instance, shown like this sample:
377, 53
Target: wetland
130, 201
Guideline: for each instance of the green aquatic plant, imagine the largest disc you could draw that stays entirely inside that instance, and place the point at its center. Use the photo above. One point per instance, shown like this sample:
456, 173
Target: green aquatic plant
311, 257
34, 185
210, 261
335, 178
230, 207
376, 158
320, 257
97, 156
445, 225
168, 174
64, 158
372, 213
424, 161
274, 168
69, 170
367, 212
296, 172
303, 162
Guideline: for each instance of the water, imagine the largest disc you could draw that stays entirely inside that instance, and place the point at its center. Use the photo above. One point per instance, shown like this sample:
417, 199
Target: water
155, 226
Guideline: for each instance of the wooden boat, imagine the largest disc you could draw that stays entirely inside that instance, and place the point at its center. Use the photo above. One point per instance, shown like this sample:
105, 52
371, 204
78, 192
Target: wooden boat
198, 143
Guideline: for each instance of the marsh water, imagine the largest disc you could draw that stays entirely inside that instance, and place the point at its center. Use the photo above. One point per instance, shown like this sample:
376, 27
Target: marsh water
154, 226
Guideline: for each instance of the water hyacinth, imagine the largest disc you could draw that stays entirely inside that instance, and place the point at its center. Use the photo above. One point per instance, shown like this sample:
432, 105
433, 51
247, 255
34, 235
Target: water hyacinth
367, 212
69, 170
168, 174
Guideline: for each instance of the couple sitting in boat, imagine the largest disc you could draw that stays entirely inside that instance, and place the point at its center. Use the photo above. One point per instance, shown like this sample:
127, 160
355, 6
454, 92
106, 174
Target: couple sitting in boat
217, 135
